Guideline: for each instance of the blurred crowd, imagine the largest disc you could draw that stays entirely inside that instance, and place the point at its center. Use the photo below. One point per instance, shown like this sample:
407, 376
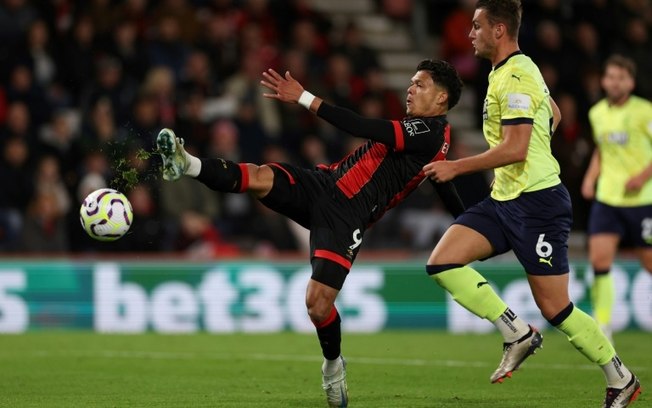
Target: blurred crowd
87, 84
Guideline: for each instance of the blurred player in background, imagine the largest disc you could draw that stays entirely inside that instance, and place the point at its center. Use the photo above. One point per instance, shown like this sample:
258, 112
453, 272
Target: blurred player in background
338, 202
622, 167
528, 211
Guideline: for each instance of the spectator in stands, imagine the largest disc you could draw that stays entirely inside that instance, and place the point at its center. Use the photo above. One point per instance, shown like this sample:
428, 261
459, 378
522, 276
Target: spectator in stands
129, 49
456, 47
38, 52
219, 40
18, 124
146, 231
77, 59
572, 146
17, 189
160, 87
167, 48
44, 228
295, 121
144, 120
199, 238
363, 58
193, 121
183, 13
637, 45
178, 200
15, 18
23, 88
99, 127
316, 50
376, 87
48, 179
60, 138
109, 82
259, 121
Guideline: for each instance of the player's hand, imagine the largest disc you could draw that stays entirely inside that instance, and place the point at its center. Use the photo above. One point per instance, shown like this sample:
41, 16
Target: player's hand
588, 190
635, 184
441, 171
286, 89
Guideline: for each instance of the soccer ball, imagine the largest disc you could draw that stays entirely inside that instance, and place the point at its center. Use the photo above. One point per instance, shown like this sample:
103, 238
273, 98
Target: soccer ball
106, 214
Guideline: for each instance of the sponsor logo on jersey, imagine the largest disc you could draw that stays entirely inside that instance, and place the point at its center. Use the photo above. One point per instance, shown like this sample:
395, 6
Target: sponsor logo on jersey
415, 127
518, 101
619, 138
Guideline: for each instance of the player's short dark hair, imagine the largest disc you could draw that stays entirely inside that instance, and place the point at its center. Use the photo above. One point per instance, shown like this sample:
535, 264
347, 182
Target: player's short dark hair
508, 12
623, 62
443, 74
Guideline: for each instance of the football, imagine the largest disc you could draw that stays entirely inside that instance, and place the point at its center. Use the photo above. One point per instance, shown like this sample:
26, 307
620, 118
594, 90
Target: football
106, 214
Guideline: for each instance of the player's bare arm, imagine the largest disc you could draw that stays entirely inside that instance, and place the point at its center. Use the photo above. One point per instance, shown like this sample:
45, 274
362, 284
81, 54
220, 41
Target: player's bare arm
513, 149
591, 176
556, 114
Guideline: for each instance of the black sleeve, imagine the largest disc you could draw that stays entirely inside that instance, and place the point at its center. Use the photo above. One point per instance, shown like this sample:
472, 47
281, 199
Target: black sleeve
448, 194
379, 130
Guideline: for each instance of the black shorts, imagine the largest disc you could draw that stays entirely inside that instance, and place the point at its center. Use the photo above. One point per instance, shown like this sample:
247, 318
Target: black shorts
535, 226
311, 198
632, 224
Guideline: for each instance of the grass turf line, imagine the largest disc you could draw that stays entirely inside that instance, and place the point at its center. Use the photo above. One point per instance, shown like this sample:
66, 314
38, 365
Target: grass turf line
391, 369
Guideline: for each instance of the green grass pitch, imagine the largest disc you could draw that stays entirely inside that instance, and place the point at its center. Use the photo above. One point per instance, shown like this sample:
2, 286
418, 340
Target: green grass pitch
390, 369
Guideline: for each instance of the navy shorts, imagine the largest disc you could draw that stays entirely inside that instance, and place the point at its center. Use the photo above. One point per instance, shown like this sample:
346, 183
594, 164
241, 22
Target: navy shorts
311, 198
632, 224
535, 226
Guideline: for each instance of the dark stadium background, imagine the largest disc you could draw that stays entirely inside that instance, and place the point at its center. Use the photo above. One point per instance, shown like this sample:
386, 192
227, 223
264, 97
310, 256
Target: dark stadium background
86, 85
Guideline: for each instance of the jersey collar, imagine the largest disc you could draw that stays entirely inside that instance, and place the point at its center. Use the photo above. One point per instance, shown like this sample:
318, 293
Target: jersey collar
503, 62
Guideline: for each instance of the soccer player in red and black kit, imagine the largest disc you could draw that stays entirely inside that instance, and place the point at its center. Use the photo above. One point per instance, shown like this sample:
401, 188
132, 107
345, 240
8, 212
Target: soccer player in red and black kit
338, 202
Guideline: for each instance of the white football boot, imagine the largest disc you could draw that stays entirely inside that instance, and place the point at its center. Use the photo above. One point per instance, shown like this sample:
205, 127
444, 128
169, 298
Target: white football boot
170, 147
622, 397
515, 353
337, 394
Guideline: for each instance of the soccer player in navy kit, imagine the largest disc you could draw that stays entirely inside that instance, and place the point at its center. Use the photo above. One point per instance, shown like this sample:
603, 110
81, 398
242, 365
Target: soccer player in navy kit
528, 211
338, 202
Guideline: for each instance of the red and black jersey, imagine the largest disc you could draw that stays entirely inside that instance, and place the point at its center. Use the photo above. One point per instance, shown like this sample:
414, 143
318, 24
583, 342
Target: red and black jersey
382, 172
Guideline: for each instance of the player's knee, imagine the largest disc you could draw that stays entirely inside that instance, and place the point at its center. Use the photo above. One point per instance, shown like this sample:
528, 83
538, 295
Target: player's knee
600, 260
318, 311
647, 265
551, 308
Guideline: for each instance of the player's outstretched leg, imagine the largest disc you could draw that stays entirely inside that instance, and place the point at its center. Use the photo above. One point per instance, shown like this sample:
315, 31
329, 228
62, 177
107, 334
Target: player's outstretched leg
334, 384
472, 291
515, 353
622, 397
170, 147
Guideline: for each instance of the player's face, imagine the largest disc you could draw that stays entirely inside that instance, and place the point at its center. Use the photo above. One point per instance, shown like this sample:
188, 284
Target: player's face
481, 35
423, 96
617, 83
